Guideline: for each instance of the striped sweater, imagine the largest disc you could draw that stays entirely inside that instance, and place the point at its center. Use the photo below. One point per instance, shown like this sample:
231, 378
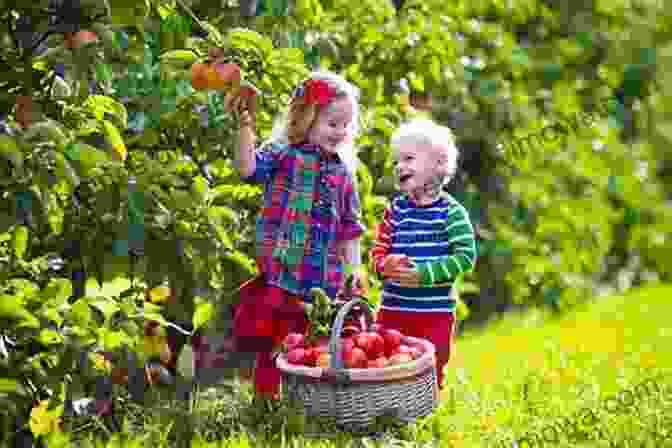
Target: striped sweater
439, 238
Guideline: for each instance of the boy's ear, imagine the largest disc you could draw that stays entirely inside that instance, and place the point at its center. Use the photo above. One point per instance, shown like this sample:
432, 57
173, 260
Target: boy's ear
442, 163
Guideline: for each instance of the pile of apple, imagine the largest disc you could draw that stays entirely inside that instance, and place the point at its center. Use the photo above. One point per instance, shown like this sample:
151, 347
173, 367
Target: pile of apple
377, 348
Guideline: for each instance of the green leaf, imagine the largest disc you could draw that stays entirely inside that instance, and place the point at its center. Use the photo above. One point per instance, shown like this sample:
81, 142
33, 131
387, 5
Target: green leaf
244, 38
46, 130
166, 11
115, 286
202, 315
81, 312
103, 73
179, 59
58, 439
20, 241
99, 105
11, 306
185, 363
200, 189
92, 287
89, 157
106, 306
112, 340
151, 309
24, 289
10, 150
223, 214
49, 337
129, 12
58, 291
64, 170
9, 385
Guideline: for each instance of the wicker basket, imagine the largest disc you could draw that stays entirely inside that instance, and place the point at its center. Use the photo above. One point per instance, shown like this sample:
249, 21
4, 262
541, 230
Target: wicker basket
354, 398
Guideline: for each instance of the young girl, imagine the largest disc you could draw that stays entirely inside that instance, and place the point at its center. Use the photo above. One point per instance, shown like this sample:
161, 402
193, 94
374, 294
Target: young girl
309, 224
425, 240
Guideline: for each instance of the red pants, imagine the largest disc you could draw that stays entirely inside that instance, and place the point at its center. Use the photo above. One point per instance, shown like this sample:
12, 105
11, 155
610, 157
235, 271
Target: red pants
263, 318
437, 328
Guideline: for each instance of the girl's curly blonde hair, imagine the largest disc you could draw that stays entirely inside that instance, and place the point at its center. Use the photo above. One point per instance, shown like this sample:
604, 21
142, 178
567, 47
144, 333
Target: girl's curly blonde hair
300, 118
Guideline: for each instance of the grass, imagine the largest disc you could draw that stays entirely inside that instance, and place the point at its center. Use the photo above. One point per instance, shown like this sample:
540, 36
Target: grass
514, 377
531, 368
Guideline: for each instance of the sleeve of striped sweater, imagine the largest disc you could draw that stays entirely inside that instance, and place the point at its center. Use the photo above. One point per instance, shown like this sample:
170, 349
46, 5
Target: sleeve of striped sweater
463, 259
382, 245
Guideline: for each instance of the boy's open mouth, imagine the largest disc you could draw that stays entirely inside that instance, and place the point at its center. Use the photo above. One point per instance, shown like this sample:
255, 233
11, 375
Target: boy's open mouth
404, 178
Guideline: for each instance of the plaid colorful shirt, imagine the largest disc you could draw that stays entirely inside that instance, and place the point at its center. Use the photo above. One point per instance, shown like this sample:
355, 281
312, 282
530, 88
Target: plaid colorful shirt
310, 204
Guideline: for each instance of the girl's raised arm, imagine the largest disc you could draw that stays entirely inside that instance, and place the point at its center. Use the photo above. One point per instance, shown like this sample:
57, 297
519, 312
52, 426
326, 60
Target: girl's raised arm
246, 109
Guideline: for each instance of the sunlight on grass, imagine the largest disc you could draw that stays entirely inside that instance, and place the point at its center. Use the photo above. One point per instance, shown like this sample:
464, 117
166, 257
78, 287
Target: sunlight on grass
553, 367
514, 378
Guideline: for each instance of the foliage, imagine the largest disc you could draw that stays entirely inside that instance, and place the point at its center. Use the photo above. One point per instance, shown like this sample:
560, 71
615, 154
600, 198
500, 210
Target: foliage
498, 72
121, 182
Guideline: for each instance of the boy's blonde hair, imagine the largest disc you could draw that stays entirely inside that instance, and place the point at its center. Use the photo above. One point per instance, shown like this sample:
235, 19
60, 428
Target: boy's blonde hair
437, 138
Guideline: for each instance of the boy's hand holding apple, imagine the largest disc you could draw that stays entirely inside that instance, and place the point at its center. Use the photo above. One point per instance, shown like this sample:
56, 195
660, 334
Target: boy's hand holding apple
402, 269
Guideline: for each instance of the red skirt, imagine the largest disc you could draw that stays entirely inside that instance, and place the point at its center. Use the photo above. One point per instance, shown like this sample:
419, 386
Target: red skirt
264, 316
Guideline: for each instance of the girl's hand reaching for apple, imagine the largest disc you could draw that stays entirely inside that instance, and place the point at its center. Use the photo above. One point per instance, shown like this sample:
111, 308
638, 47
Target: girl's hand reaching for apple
245, 107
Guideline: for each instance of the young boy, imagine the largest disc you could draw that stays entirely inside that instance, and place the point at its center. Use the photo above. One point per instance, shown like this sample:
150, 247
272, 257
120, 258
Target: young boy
425, 239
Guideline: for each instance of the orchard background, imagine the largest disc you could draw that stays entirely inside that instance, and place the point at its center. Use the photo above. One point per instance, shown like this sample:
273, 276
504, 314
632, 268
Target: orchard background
119, 204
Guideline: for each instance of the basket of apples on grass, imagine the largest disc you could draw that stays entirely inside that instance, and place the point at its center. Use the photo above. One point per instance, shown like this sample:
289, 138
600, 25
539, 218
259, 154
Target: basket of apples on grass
350, 370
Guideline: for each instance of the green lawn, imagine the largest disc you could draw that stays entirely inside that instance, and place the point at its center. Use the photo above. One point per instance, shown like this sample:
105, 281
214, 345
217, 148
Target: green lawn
521, 373
560, 365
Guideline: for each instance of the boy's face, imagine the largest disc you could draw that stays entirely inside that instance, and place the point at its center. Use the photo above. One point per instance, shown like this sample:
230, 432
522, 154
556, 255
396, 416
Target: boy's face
332, 125
416, 167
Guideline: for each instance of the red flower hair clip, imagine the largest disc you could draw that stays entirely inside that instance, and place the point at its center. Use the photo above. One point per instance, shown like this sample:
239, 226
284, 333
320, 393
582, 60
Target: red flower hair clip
316, 91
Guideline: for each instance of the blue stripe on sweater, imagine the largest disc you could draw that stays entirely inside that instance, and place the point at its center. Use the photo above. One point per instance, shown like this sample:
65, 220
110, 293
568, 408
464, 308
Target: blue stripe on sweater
413, 305
433, 294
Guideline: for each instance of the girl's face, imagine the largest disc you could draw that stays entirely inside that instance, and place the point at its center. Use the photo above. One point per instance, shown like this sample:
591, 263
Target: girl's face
333, 124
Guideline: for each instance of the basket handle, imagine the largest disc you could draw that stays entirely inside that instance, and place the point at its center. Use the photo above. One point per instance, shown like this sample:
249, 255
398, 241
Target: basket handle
335, 345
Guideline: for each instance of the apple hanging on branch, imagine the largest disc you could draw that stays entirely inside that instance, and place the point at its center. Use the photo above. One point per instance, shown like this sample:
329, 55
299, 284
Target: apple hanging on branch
74, 41
223, 77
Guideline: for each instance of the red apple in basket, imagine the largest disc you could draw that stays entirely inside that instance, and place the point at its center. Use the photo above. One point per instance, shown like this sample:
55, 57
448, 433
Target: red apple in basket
355, 359
377, 328
392, 339
377, 346
311, 356
372, 343
297, 356
377, 363
348, 344
294, 340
